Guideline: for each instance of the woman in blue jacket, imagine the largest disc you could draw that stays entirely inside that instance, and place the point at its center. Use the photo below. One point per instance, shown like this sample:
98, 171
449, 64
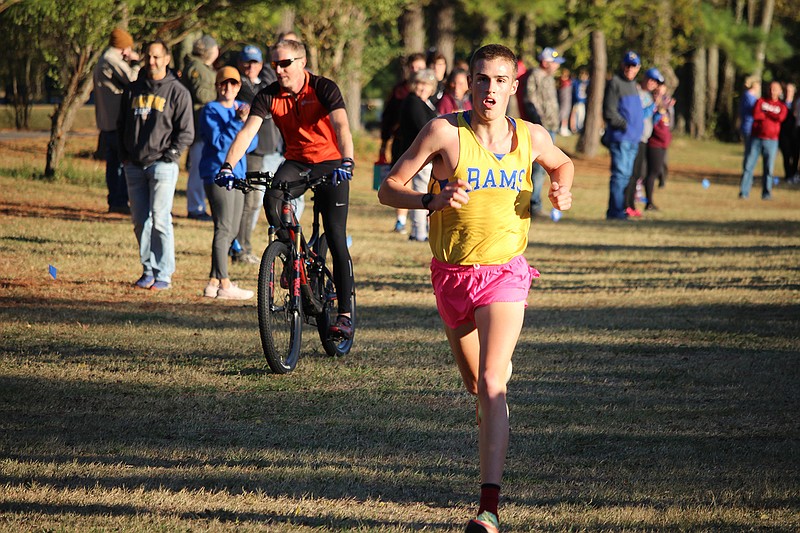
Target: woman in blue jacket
219, 123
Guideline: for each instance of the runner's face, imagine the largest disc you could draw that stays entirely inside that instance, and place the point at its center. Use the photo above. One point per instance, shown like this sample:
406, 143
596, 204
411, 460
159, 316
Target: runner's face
492, 83
293, 76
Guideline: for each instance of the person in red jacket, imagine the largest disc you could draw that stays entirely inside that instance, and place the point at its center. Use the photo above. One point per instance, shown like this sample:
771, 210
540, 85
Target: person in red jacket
767, 117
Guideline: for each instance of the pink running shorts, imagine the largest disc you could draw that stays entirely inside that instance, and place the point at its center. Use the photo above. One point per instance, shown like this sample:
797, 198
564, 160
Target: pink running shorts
461, 289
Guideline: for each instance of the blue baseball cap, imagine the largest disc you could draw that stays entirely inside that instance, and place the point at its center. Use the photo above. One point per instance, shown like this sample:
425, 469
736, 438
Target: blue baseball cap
251, 53
551, 55
654, 74
631, 58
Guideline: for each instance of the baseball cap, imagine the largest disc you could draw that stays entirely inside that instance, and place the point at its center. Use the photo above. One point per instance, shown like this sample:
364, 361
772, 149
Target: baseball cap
631, 58
654, 74
251, 53
228, 73
551, 55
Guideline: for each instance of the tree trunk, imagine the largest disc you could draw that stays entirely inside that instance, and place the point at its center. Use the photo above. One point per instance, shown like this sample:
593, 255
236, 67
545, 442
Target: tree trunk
589, 141
355, 56
412, 29
287, 20
697, 121
75, 95
725, 110
662, 43
712, 82
446, 31
767, 11
527, 41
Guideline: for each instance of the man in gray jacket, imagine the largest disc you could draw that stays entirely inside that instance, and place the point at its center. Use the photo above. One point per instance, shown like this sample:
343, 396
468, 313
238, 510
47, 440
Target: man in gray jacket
541, 103
155, 126
116, 69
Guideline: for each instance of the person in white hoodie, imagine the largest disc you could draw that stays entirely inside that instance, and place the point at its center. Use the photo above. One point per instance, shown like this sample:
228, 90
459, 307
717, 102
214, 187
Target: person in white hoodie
116, 69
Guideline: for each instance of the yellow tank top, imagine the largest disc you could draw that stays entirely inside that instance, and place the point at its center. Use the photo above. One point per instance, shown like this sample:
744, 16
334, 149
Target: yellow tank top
492, 228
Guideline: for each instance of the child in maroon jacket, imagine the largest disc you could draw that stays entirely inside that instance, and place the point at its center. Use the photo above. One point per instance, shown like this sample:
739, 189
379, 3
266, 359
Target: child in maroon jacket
767, 117
658, 142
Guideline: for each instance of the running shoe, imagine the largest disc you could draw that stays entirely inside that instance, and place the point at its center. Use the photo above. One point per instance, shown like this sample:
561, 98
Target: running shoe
486, 522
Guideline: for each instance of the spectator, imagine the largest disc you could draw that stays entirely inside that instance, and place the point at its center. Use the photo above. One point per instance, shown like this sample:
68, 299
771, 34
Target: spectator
564, 101
659, 142
390, 120
541, 106
752, 85
220, 121
580, 94
199, 76
116, 69
267, 156
768, 114
417, 111
646, 89
438, 63
456, 98
787, 140
624, 117
155, 126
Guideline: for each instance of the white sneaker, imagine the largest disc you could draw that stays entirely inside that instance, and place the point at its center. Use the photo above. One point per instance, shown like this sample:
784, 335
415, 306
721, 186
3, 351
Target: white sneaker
234, 293
211, 291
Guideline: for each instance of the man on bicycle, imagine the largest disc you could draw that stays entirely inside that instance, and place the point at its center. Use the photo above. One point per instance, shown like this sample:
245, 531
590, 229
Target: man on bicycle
310, 114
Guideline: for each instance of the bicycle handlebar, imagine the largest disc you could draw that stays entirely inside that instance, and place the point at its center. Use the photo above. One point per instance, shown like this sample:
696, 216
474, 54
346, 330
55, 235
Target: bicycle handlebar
257, 179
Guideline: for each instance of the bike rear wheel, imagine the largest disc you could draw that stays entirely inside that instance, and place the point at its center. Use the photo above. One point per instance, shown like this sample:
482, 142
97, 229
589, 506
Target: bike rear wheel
279, 320
333, 345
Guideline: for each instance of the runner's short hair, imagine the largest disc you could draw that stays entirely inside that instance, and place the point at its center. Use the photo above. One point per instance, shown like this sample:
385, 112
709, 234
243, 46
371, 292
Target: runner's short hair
493, 51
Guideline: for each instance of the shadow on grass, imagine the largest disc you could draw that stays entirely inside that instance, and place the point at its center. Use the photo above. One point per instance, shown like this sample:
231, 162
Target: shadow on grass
767, 228
653, 418
220, 515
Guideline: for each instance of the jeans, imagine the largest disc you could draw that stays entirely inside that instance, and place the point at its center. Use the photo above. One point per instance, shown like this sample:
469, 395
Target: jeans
537, 177
151, 191
768, 149
115, 177
226, 211
623, 154
419, 217
195, 193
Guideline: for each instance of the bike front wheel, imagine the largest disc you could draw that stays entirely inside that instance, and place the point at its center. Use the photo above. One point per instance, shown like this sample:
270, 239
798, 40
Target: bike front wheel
280, 321
333, 345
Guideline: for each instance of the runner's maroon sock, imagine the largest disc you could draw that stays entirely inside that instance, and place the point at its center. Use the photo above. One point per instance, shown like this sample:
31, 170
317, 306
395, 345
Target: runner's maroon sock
490, 496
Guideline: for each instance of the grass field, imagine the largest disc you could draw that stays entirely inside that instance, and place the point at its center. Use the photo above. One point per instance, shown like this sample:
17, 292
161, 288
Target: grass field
656, 384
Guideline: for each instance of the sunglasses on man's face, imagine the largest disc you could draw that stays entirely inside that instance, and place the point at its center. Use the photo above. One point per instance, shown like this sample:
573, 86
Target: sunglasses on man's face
231, 82
284, 63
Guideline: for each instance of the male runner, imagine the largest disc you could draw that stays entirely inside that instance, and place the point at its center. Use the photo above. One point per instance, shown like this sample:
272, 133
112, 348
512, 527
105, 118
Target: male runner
479, 200
310, 114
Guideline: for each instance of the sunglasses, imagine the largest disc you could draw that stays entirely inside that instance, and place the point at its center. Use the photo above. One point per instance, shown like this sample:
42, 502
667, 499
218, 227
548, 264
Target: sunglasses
227, 82
284, 63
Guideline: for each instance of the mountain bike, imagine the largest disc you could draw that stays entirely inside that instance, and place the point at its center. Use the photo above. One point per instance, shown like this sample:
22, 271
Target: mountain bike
295, 284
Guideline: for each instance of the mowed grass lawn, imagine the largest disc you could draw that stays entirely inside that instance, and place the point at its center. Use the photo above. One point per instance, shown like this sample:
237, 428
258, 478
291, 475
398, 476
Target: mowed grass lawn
656, 382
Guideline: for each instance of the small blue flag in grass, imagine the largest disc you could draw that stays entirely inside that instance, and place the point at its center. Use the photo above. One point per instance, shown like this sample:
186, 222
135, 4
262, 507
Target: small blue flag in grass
52, 271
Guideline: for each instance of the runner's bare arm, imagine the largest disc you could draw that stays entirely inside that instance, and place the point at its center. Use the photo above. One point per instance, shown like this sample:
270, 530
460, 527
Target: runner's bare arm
243, 139
432, 142
557, 165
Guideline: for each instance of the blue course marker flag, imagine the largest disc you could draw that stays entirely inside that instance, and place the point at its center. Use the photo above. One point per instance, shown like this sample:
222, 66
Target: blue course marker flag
52, 271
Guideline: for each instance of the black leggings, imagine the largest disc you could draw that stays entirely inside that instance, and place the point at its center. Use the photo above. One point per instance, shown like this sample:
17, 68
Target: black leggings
656, 158
639, 172
332, 203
